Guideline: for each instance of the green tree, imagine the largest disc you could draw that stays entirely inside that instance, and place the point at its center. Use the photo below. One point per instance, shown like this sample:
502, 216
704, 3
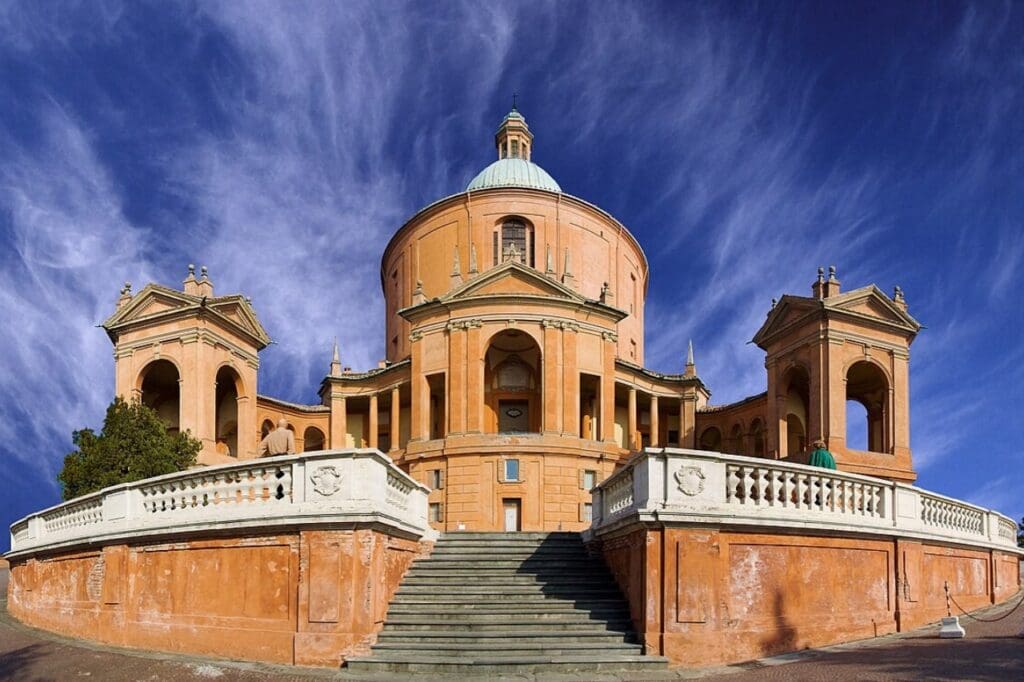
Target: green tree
134, 444
1020, 533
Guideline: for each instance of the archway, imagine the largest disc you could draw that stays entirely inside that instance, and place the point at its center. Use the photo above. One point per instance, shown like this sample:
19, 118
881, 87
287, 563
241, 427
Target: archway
312, 439
757, 437
711, 439
512, 393
161, 391
228, 384
867, 384
736, 440
797, 384
267, 427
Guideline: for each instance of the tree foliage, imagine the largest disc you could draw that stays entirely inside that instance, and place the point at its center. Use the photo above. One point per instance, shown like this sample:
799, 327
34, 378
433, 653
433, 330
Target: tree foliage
134, 444
1020, 533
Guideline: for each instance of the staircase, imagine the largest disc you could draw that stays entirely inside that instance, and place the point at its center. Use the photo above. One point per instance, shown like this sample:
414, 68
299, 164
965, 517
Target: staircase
485, 603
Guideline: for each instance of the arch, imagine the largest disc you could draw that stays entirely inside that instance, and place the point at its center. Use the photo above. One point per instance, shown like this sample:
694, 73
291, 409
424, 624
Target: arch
513, 394
266, 428
159, 385
711, 439
312, 439
513, 234
796, 386
757, 440
226, 394
736, 439
868, 384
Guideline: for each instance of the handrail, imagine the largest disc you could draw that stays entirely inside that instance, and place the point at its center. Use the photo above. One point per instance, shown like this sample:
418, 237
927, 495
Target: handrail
330, 486
673, 485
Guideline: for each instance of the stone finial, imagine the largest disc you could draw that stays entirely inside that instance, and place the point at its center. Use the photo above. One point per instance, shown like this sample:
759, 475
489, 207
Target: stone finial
691, 367
126, 295
336, 360
567, 278
898, 297
201, 286
824, 288
418, 296
472, 259
606, 294
456, 277
775, 302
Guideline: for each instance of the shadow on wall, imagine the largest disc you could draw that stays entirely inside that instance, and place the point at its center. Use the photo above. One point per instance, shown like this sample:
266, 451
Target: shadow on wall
784, 639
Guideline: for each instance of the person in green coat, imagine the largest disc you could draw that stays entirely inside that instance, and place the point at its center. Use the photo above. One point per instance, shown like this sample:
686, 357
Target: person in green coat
821, 457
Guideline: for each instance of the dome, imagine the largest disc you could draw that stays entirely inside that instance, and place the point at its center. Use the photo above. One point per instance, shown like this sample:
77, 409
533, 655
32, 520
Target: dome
511, 172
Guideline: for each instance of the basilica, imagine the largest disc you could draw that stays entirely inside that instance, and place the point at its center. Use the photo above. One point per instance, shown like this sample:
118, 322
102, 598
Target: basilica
514, 379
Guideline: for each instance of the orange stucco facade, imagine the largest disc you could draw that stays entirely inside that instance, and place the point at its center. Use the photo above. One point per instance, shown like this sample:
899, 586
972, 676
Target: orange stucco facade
312, 597
514, 376
703, 596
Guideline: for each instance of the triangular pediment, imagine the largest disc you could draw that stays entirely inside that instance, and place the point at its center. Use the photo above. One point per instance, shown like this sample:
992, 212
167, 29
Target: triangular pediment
156, 303
870, 302
788, 311
512, 279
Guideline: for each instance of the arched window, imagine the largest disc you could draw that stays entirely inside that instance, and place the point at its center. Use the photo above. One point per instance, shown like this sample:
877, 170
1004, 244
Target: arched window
512, 371
797, 411
226, 411
711, 439
513, 240
312, 439
267, 427
867, 384
160, 391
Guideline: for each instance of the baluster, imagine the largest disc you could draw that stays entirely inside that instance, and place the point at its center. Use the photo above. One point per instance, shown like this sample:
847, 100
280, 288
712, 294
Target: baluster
732, 482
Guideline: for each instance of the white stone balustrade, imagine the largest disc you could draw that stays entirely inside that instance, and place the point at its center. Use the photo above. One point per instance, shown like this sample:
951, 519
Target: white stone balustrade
331, 487
676, 486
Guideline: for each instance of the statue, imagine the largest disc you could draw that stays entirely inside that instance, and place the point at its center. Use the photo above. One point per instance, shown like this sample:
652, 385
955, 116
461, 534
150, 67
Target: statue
280, 441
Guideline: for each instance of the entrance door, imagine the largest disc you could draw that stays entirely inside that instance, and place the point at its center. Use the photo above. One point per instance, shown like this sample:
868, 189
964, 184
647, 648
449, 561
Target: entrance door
511, 508
513, 416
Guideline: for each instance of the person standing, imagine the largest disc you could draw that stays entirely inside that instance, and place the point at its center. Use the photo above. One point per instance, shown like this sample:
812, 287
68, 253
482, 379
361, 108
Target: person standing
280, 441
821, 457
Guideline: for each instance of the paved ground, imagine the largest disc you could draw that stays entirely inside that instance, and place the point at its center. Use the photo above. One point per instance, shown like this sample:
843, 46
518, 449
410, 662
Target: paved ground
991, 651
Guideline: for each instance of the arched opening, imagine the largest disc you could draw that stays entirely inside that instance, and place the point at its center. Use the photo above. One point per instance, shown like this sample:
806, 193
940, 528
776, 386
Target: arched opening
226, 418
867, 385
797, 395
512, 371
711, 439
312, 439
266, 428
162, 392
757, 437
513, 240
736, 440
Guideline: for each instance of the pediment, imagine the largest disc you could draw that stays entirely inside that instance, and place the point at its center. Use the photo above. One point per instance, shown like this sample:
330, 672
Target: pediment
512, 279
156, 303
872, 303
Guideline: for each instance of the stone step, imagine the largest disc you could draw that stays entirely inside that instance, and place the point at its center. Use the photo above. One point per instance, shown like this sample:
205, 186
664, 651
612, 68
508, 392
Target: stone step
469, 601
499, 648
509, 665
583, 591
504, 637
410, 624
563, 583
441, 614
609, 606
531, 566
482, 536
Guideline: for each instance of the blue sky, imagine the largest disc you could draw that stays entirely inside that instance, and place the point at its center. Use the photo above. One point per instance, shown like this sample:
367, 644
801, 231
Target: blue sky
281, 144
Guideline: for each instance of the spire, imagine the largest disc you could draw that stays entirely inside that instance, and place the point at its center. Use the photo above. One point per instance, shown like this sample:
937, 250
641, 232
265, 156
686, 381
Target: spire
514, 139
567, 278
472, 259
456, 269
336, 360
549, 266
691, 367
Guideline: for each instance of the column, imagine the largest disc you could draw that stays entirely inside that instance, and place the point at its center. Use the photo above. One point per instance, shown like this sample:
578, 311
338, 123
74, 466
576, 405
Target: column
570, 382
552, 393
456, 384
396, 418
474, 378
339, 422
631, 431
655, 425
419, 429
608, 389
372, 440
